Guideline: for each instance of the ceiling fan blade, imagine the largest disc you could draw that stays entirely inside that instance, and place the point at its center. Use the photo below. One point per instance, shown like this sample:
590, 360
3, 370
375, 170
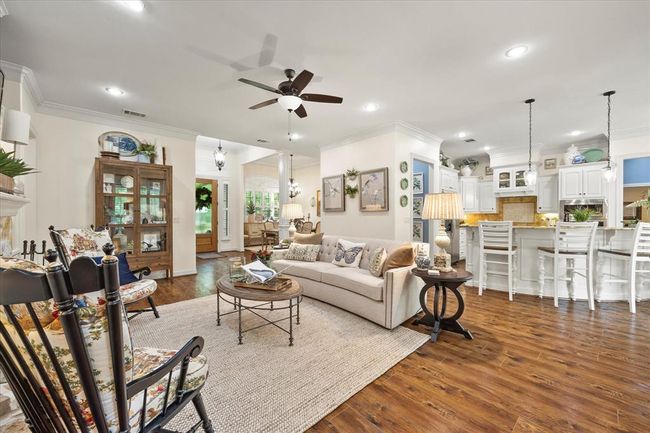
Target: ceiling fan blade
260, 85
301, 81
316, 97
263, 104
300, 111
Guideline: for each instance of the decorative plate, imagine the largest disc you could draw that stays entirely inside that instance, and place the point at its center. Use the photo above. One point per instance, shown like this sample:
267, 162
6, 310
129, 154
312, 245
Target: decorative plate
404, 183
403, 201
127, 143
593, 155
403, 167
127, 181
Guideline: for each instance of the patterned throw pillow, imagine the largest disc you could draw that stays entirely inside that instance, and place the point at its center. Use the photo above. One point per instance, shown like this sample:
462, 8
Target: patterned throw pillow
376, 262
302, 253
348, 254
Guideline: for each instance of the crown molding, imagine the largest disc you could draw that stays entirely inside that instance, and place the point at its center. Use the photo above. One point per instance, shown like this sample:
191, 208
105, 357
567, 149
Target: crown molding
23, 74
3, 9
385, 128
84, 114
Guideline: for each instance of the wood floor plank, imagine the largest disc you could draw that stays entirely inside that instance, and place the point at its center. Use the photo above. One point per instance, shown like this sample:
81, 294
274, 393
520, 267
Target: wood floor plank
532, 368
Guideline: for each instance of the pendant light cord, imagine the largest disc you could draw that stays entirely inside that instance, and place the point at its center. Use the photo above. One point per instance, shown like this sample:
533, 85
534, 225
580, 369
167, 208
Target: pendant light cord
530, 132
609, 115
289, 122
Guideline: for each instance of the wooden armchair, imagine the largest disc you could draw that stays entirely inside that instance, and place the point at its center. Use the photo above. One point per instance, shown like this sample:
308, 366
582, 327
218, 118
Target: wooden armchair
71, 243
66, 352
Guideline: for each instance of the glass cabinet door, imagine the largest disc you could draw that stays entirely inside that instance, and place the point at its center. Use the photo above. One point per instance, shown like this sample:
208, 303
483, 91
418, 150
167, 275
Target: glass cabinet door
154, 208
119, 210
504, 179
153, 239
520, 180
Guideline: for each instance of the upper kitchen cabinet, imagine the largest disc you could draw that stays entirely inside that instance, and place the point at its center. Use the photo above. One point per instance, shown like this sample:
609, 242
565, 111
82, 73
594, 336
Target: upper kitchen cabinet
449, 180
510, 181
582, 182
469, 192
547, 194
487, 201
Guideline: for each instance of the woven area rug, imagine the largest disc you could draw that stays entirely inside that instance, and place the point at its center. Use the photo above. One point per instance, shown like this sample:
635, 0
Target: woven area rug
266, 386
208, 256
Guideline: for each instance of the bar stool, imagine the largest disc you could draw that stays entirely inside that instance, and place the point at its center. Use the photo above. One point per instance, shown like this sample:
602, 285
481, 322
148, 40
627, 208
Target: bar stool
495, 238
573, 241
640, 253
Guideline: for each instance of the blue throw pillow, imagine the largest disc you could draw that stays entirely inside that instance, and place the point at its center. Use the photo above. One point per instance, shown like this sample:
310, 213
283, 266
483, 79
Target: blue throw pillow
126, 276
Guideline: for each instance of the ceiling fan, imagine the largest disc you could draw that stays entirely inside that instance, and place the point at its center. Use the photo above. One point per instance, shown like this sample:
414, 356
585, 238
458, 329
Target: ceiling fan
291, 98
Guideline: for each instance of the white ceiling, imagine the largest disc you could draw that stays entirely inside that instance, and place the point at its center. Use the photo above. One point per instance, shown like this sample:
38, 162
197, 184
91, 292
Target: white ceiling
299, 161
439, 65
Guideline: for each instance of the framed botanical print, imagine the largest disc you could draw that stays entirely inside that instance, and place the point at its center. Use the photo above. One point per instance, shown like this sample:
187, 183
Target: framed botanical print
333, 193
550, 164
418, 183
418, 228
418, 202
373, 185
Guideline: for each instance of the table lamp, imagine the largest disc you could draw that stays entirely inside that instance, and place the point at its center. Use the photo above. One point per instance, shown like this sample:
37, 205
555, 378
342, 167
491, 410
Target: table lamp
291, 211
442, 206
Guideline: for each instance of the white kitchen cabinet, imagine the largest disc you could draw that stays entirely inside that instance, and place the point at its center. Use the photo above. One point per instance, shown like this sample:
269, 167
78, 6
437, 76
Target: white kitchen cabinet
449, 180
469, 193
582, 182
487, 201
462, 243
547, 194
510, 181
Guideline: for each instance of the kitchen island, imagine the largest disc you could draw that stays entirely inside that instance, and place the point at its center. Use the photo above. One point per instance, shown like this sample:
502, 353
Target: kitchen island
528, 238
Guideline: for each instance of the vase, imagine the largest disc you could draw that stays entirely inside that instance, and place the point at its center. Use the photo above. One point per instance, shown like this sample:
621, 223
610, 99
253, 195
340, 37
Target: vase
6, 184
422, 261
466, 170
570, 154
143, 158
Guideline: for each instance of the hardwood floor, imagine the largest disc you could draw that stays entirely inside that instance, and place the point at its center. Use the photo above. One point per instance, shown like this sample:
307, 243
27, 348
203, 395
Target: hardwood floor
530, 368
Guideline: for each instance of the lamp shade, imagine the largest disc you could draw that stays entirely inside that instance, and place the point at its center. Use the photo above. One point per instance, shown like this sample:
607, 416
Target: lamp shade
443, 206
16, 127
289, 102
291, 211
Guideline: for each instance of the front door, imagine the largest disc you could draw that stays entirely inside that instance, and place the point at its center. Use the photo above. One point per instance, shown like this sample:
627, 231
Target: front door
206, 215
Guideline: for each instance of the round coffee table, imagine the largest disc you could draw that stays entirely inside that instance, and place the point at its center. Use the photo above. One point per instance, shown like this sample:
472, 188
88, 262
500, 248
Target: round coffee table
436, 319
266, 298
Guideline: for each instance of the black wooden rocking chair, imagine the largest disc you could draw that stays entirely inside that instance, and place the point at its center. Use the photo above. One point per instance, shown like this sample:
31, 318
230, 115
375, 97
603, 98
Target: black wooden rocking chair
66, 352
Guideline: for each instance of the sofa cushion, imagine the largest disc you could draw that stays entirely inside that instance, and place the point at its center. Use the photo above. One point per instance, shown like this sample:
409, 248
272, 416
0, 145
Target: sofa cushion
348, 254
402, 256
303, 253
311, 239
355, 280
376, 262
328, 248
309, 270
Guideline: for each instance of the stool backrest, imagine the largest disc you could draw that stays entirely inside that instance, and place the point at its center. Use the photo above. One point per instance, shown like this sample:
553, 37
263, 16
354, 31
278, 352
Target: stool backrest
495, 235
575, 237
641, 246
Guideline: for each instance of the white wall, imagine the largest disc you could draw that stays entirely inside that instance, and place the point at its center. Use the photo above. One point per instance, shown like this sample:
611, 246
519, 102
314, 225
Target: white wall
66, 152
310, 181
385, 148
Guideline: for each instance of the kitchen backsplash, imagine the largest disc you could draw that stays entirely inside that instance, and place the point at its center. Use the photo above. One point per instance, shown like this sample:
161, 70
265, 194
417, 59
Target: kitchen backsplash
520, 210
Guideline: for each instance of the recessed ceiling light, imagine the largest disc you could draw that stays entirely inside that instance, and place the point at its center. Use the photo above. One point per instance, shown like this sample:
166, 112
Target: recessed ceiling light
296, 136
133, 5
486, 148
517, 51
462, 134
370, 107
114, 91
575, 133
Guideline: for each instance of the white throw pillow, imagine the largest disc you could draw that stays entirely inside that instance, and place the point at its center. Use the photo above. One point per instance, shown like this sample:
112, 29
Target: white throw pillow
348, 254
376, 261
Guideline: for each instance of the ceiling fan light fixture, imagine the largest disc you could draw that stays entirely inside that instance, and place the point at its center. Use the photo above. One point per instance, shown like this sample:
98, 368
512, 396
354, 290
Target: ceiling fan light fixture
289, 102
518, 51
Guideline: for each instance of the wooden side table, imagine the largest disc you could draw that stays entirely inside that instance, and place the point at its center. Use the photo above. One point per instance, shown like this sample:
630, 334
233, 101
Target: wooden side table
436, 319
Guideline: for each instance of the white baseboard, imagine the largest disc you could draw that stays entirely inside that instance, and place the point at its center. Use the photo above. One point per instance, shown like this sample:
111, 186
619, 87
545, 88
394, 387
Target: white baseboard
185, 272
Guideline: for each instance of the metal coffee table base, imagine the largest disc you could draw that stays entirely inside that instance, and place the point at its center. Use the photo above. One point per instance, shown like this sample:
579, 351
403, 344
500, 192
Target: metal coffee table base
264, 306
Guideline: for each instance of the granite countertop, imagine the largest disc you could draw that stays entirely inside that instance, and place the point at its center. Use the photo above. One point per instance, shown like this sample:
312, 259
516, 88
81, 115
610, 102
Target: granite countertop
537, 227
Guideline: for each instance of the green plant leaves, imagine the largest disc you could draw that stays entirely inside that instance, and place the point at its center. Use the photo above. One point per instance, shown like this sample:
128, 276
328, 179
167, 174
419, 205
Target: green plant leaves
11, 167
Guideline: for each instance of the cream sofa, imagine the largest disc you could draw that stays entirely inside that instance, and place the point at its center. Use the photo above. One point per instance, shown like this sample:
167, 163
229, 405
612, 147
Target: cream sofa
387, 301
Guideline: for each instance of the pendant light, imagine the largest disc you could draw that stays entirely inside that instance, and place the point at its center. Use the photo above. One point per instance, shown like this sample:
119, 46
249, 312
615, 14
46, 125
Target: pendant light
220, 157
530, 177
609, 172
294, 188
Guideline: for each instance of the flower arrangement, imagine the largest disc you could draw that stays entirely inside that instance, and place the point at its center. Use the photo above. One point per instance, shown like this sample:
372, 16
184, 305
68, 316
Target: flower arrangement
263, 255
351, 190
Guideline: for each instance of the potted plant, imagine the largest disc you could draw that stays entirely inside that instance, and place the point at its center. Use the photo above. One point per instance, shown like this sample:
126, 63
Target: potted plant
351, 190
467, 165
250, 211
146, 152
11, 167
352, 173
582, 214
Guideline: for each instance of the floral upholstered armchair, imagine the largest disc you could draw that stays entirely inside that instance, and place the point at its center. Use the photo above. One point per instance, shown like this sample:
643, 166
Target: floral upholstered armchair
67, 353
74, 242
